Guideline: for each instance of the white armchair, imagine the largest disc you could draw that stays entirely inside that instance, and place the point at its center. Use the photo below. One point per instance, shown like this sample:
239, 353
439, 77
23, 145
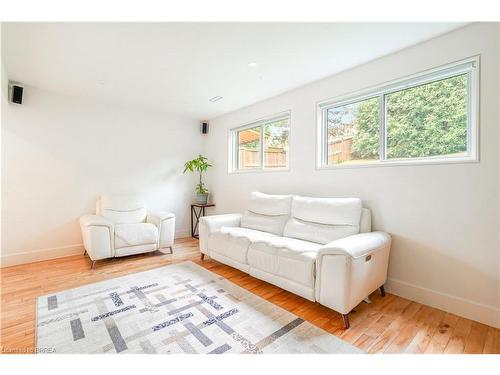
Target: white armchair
122, 226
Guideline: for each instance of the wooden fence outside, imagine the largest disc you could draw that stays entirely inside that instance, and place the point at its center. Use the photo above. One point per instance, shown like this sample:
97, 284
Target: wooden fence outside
273, 158
339, 150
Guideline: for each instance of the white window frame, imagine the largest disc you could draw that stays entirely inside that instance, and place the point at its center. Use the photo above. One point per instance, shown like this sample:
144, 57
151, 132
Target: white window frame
469, 66
234, 145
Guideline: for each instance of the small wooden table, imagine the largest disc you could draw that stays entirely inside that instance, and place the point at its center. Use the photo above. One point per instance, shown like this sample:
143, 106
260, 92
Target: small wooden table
197, 211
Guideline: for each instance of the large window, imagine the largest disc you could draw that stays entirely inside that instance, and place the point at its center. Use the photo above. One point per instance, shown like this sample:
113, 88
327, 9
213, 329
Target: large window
262, 145
425, 118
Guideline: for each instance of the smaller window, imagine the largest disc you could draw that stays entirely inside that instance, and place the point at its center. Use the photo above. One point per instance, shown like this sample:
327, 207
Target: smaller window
262, 145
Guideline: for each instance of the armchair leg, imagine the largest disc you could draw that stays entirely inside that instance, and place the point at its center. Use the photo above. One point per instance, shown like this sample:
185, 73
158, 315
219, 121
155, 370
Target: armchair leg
345, 318
202, 256
382, 291
162, 250
93, 264
85, 253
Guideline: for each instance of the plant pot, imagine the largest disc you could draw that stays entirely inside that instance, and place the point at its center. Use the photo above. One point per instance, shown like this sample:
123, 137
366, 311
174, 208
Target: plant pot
202, 198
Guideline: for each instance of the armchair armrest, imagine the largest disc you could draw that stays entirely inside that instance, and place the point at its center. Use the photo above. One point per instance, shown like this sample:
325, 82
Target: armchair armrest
98, 236
165, 222
349, 269
211, 224
157, 218
88, 220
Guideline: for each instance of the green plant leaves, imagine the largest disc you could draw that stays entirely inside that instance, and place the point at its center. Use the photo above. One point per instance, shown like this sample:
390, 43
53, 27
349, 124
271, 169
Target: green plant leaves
200, 165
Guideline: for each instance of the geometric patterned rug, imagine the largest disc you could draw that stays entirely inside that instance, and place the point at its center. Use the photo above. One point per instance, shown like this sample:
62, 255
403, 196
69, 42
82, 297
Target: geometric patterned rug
180, 308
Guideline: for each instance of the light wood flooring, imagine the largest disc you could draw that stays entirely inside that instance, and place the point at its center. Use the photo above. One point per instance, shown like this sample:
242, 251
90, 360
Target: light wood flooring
389, 324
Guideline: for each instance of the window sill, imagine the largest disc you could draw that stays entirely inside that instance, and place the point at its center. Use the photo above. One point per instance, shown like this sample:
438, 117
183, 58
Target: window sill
245, 171
402, 162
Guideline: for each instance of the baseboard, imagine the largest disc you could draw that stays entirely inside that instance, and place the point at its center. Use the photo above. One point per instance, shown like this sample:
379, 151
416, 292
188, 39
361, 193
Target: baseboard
41, 254
456, 305
56, 252
182, 233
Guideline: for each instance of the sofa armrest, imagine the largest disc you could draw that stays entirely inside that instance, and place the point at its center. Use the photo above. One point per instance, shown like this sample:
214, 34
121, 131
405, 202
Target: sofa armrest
98, 236
349, 269
358, 245
211, 224
165, 222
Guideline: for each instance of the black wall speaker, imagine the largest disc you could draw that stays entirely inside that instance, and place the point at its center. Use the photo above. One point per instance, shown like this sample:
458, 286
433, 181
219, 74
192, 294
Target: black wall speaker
204, 127
16, 94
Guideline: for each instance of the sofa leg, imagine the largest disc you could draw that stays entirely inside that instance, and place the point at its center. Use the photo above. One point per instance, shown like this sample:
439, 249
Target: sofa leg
171, 249
93, 264
345, 318
202, 256
382, 291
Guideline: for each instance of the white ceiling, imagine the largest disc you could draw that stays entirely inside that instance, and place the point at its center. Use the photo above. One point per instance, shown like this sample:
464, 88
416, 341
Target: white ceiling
178, 67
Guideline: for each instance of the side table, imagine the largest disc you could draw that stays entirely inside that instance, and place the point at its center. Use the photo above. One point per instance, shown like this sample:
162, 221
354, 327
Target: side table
197, 211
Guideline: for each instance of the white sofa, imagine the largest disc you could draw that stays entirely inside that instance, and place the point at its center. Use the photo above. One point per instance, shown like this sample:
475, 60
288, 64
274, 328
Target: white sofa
122, 226
319, 248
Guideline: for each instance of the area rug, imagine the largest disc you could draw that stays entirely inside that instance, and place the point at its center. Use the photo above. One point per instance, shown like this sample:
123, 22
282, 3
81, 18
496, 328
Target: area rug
180, 308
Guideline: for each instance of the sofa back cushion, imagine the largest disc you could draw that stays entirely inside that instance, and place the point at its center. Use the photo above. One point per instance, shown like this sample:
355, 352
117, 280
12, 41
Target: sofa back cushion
267, 213
323, 220
122, 209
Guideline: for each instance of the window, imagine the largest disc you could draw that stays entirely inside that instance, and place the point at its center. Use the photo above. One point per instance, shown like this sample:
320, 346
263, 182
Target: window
426, 118
262, 145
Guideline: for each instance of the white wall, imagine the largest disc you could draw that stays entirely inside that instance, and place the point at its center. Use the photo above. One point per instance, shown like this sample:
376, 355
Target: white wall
60, 153
444, 219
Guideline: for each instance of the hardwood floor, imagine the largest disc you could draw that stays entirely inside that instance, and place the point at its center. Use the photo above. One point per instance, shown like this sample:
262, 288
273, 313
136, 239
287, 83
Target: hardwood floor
387, 325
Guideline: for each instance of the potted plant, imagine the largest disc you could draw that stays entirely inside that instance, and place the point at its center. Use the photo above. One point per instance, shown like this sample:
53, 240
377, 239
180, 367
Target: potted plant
200, 165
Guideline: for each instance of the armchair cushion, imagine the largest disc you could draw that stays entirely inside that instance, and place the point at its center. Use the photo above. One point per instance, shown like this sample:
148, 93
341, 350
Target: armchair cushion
122, 208
135, 234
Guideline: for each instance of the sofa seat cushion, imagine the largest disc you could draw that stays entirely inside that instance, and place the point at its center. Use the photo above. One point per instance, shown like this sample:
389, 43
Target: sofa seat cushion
285, 257
135, 234
233, 242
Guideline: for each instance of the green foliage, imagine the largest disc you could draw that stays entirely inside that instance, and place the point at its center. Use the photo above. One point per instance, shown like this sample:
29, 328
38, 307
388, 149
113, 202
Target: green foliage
200, 165
366, 144
428, 120
423, 121
276, 134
